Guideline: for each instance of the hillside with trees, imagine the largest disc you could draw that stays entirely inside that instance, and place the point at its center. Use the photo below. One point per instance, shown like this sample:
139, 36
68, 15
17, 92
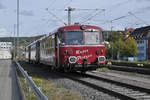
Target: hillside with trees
23, 41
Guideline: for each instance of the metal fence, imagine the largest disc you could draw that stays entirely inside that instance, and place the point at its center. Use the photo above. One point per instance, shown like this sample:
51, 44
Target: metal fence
37, 91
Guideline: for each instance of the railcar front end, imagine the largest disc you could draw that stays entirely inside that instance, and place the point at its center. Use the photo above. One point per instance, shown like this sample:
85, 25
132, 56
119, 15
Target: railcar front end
81, 48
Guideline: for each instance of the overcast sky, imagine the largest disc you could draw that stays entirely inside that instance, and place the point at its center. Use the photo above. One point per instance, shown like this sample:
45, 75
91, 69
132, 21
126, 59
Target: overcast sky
36, 20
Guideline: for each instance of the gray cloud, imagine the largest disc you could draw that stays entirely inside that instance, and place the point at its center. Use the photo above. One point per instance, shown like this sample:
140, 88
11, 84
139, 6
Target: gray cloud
142, 10
147, 0
27, 13
143, 0
2, 6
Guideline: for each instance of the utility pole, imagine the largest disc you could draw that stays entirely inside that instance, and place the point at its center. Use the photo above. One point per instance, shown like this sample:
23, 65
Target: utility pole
73, 9
17, 28
14, 41
111, 46
69, 14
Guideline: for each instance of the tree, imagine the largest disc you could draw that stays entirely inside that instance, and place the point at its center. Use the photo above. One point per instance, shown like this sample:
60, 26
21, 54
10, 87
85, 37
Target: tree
119, 46
130, 47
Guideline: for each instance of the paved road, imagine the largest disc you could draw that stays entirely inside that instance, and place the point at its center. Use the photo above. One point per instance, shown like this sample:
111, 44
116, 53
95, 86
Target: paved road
9, 89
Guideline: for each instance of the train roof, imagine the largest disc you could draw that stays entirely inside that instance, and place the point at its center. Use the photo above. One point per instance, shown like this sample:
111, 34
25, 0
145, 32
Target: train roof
75, 27
34, 42
79, 27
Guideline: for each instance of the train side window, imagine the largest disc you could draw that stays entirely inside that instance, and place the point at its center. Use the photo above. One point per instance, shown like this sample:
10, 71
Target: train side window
92, 37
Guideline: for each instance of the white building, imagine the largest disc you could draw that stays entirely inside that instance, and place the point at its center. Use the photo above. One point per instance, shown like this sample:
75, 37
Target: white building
5, 50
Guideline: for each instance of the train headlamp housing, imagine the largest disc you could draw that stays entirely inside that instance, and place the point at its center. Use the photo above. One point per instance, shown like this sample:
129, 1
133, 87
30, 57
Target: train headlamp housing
101, 59
72, 59
83, 27
101, 51
97, 52
68, 52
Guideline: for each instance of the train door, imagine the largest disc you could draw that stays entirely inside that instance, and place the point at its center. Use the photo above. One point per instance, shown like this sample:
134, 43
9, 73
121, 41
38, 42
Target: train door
29, 53
38, 52
57, 49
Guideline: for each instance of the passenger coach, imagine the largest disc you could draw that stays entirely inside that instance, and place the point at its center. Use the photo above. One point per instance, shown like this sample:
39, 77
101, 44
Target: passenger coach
76, 47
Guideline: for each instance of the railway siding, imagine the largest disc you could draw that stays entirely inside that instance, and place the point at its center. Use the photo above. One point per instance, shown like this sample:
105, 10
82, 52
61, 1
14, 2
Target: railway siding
132, 90
132, 64
142, 83
121, 90
130, 69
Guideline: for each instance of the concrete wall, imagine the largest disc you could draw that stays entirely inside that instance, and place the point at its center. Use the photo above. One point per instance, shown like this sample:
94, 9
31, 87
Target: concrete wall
5, 54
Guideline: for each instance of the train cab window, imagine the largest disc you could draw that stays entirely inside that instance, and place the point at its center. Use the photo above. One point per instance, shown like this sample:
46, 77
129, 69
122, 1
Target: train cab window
92, 37
72, 38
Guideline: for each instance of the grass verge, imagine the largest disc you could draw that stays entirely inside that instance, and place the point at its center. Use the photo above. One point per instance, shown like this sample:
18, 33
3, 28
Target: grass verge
104, 69
52, 91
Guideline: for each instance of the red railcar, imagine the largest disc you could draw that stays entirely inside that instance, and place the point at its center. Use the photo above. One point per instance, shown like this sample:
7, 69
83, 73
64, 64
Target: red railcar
75, 47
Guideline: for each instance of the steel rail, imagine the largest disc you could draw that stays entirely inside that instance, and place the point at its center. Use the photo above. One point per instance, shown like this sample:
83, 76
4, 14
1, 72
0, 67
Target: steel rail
141, 70
144, 91
121, 90
99, 88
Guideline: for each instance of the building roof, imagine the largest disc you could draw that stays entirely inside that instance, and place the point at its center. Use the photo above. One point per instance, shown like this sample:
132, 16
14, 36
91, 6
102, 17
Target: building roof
141, 33
129, 31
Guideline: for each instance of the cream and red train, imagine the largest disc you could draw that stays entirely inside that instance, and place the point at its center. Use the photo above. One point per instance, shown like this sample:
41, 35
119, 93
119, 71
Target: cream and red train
75, 47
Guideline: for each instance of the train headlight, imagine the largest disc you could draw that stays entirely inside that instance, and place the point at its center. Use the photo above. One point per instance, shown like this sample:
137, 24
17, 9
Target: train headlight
101, 59
72, 59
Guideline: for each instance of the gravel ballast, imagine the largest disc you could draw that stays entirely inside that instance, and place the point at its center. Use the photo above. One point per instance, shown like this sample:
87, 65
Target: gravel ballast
86, 92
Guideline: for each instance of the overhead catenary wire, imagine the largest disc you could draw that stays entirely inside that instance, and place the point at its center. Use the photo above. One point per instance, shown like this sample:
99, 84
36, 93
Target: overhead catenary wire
58, 19
67, 4
96, 13
138, 18
51, 4
114, 6
77, 9
86, 16
92, 16
128, 14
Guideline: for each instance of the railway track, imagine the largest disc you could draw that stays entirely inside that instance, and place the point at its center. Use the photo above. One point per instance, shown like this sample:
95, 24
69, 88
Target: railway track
141, 70
119, 90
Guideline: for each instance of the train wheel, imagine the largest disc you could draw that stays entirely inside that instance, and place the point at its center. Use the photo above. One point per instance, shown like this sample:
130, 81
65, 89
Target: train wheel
67, 68
83, 72
53, 69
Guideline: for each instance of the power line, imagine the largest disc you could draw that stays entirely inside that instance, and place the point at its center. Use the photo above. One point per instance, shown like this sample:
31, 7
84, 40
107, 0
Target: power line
138, 18
58, 19
84, 17
52, 3
67, 4
77, 9
92, 16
